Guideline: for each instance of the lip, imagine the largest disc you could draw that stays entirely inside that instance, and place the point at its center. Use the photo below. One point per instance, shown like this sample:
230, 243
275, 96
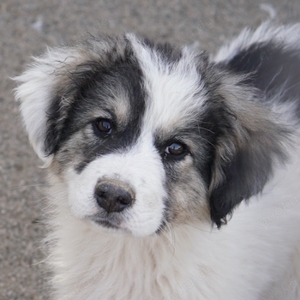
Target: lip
107, 222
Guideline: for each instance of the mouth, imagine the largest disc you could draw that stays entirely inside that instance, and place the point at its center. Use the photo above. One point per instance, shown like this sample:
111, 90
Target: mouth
108, 222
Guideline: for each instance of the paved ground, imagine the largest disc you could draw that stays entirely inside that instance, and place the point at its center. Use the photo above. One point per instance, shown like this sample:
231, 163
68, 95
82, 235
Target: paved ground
26, 26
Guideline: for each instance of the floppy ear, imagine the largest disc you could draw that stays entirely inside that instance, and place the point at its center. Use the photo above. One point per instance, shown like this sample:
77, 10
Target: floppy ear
248, 144
37, 90
268, 59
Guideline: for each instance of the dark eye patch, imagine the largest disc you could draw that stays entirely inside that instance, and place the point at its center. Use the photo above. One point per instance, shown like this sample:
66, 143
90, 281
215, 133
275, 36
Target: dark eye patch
89, 90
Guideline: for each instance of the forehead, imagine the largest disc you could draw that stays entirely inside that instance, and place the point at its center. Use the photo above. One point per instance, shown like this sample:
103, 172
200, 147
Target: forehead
175, 92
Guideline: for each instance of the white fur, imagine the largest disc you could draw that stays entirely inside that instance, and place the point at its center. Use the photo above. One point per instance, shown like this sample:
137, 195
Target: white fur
170, 87
35, 101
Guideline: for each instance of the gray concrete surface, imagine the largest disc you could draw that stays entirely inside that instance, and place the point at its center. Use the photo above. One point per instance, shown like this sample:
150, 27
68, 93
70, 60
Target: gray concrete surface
26, 27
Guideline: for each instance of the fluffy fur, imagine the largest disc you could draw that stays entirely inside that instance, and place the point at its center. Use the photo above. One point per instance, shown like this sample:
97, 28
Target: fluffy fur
206, 149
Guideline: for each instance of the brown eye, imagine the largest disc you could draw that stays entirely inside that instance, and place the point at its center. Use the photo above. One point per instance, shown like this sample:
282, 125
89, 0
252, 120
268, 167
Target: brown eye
103, 126
176, 149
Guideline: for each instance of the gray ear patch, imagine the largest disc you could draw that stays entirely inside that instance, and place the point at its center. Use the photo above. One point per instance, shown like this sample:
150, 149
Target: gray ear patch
273, 68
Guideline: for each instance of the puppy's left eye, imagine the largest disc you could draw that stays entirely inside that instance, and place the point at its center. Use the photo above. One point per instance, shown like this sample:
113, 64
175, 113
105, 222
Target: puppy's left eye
103, 127
176, 150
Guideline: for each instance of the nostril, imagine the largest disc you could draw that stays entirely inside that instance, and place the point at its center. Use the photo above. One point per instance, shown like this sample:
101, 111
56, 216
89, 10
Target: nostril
124, 200
112, 197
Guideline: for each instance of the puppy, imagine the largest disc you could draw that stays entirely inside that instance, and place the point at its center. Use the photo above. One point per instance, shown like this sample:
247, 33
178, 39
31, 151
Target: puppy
173, 174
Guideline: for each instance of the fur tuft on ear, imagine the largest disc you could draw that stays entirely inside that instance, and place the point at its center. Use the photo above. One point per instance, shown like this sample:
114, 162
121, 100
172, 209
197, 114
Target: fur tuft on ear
36, 91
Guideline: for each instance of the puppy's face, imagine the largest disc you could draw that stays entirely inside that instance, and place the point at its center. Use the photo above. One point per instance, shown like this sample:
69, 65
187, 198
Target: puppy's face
131, 153
142, 135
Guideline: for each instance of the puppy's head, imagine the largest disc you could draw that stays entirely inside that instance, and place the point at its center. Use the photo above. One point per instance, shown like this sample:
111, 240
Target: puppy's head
143, 135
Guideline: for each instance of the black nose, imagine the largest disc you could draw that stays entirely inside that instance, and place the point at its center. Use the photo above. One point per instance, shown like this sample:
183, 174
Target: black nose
112, 197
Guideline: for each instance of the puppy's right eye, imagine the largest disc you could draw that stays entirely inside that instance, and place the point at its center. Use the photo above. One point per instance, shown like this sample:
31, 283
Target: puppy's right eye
176, 150
103, 127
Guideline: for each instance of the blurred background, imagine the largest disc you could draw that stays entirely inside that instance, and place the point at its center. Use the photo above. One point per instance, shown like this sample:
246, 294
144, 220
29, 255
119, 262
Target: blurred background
26, 27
